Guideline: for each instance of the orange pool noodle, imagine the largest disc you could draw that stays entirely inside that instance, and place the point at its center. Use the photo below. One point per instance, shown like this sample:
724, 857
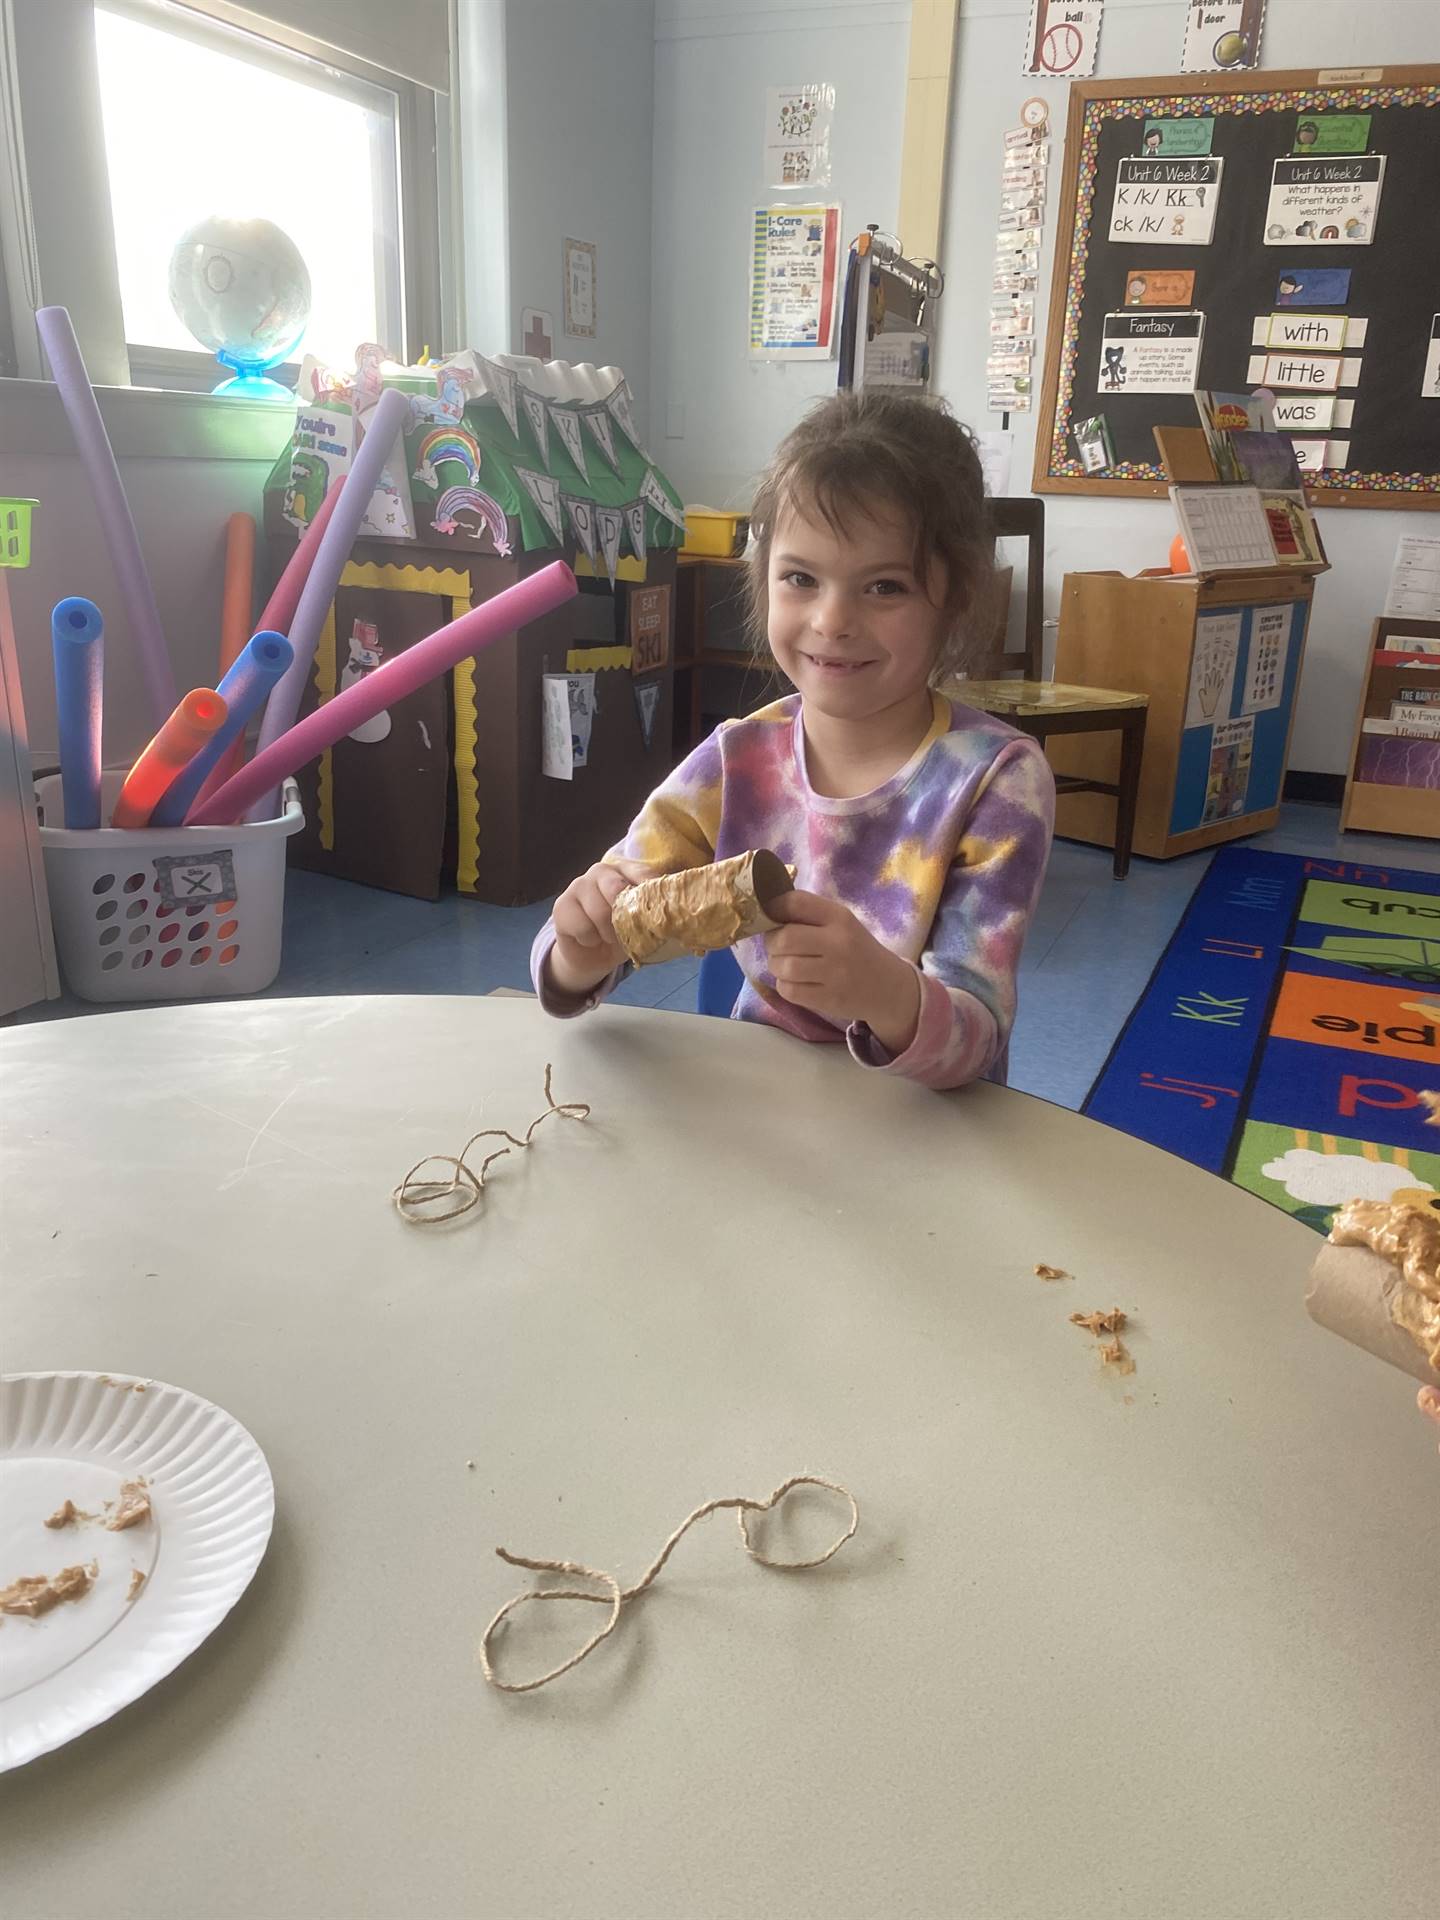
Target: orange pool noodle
1179, 555
201, 713
236, 603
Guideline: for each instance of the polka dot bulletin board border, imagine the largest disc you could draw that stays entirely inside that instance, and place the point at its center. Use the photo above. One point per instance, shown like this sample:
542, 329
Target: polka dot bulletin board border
1093, 105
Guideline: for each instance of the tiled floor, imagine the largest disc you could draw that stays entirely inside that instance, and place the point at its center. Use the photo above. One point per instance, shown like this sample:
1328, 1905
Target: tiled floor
1090, 952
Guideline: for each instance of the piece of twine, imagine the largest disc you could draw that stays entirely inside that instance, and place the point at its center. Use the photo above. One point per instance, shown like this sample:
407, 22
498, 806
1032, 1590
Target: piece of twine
615, 1596
416, 1199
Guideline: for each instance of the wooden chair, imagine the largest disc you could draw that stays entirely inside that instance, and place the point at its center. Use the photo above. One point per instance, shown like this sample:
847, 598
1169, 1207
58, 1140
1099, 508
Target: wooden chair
1009, 685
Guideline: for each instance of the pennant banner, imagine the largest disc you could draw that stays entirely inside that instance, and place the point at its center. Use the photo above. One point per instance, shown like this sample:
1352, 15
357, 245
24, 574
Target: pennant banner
655, 496
582, 518
544, 490
538, 414
617, 405
598, 421
647, 701
634, 511
567, 425
502, 382
610, 524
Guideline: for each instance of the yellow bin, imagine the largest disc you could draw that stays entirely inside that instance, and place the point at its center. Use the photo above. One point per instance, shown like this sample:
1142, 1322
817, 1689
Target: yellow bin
714, 534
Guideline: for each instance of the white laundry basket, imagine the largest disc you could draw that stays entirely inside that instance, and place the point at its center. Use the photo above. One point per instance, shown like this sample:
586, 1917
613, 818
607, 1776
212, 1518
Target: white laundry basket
165, 913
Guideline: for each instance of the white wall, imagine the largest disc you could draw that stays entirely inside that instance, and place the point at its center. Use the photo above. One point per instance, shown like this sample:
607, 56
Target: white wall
713, 61
571, 84
1143, 37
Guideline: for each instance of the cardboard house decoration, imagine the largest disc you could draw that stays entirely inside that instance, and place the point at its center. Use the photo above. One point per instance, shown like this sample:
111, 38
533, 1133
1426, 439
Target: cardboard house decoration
508, 465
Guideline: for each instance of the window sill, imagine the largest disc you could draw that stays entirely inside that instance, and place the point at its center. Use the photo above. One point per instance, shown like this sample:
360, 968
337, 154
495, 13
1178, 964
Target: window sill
146, 423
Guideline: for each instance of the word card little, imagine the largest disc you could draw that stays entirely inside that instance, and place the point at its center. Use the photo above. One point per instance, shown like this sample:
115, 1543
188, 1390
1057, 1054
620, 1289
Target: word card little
1166, 202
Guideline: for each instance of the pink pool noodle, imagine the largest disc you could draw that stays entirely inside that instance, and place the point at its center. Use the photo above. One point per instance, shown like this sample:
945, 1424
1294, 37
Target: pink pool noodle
280, 607
98, 458
527, 600
332, 551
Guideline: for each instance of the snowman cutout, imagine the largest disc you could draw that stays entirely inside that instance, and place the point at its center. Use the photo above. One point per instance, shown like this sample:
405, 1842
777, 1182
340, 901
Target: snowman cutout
365, 656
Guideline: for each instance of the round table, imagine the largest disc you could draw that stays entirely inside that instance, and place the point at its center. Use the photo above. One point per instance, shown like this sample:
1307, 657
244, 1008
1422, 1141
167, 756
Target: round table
1156, 1645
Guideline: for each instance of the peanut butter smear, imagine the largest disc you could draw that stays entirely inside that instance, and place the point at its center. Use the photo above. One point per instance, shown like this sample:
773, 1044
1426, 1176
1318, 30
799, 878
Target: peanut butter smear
1409, 1239
34, 1594
131, 1508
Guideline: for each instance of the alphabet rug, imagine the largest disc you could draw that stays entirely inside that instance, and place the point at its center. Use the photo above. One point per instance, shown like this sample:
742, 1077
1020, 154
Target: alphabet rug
1288, 1031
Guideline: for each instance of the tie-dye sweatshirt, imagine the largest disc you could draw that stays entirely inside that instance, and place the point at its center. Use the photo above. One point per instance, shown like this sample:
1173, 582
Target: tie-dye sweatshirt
942, 864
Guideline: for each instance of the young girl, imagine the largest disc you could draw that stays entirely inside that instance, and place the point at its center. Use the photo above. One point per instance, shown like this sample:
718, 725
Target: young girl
919, 829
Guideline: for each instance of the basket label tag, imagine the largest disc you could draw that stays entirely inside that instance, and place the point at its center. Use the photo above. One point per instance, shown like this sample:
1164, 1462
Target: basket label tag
196, 880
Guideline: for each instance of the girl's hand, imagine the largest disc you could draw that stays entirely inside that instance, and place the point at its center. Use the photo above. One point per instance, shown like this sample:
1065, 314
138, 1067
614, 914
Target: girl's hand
586, 950
1428, 1401
825, 960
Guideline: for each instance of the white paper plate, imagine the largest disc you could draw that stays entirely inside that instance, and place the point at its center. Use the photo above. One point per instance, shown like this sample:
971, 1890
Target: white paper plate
79, 1436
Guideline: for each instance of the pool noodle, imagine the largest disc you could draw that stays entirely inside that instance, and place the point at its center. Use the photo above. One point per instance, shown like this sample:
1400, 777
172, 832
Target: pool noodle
77, 640
200, 714
329, 561
243, 689
527, 600
236, 604
279, 614
98, 458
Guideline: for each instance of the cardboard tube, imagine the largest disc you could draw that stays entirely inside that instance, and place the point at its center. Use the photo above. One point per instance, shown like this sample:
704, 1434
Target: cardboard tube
199, 715
98, 459
700, 909
439, 651
1351, 1291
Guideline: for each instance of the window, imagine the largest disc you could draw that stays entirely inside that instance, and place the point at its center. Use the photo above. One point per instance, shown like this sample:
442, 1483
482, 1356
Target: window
200, 119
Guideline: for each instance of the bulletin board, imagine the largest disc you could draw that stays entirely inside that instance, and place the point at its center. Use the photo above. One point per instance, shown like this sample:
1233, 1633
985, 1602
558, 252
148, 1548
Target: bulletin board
1393, 429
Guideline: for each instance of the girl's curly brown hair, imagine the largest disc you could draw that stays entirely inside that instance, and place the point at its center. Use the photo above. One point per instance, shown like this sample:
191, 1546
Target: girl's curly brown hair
858, 452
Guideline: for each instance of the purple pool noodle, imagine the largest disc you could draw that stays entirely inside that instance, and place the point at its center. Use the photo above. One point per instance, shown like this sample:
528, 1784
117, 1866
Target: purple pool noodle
98, 458
257, 667
327, 566
77, 640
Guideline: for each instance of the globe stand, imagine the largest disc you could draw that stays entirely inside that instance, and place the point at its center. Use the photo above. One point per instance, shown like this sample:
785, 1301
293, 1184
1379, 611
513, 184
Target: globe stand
250, 381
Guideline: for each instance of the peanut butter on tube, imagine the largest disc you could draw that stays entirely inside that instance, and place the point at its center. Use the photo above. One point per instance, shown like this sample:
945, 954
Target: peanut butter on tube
700, 909
1377, 1283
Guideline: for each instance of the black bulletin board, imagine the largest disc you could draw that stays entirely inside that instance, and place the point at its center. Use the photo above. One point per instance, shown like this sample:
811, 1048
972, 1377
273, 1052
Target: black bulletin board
1394, 458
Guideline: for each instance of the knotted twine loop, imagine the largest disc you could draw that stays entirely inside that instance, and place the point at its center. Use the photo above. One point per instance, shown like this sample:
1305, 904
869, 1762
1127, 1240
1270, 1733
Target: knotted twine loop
416, 1200
615, 1597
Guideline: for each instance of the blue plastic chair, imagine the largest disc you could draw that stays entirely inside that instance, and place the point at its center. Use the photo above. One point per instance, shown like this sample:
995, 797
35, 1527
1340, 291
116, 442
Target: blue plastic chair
720, 983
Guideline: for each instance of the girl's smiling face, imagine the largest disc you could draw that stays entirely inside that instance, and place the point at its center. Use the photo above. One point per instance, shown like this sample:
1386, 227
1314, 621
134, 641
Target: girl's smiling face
850, 623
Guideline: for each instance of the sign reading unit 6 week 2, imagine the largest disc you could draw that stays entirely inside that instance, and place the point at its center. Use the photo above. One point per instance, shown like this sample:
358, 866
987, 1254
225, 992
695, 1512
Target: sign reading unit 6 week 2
1166, 202
1324, 203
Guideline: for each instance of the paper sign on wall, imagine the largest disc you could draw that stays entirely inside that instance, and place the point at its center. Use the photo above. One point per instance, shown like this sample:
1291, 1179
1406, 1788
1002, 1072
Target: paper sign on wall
797, 135
1311, 372
1171, 139
1222, 35
580, 300
1430, 385
794, 258
1324, 203
1322, 332
1212, 668
567, 716
1265, 667
1159, 287
1232, 748
1166, 202
1150, 353
1062, 37
1332, 133
1312, 287
1304, 412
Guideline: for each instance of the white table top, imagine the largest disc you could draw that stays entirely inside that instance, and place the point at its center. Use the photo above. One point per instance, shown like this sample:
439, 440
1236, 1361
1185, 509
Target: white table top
1102, 1646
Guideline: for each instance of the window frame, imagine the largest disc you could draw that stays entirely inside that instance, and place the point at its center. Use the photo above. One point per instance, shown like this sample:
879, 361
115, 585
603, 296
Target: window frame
427, 278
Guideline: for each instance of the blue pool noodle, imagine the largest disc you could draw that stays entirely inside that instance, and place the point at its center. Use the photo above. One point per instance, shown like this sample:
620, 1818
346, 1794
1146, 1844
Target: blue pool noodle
77, 640
245, 689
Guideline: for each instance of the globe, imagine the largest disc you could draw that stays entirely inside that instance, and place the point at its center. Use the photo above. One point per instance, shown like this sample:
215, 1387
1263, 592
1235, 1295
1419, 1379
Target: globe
242, 289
